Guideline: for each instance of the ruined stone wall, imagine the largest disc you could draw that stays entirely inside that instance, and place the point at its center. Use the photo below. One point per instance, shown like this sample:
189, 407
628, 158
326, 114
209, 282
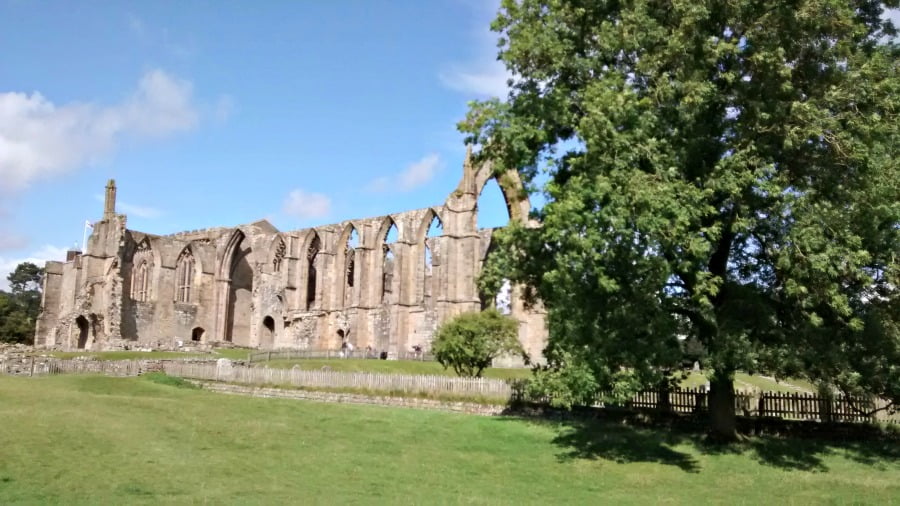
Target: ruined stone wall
255, 286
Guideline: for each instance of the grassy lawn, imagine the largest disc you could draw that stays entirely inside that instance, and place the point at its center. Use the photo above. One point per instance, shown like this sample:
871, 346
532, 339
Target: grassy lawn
234, 354
744, 381
97, 440
387, 366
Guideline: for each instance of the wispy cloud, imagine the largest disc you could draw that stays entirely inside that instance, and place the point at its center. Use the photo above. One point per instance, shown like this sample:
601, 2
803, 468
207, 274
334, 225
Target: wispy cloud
482, 75
146, 212
37, 257
10, 240
39, 139
415, 175
305, 205
160, 37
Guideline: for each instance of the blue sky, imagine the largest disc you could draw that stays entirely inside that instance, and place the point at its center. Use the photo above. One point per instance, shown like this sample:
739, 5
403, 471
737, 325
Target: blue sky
219, 113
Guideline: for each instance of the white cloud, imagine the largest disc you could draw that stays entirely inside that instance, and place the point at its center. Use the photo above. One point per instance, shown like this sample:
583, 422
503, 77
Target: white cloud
39, 139
302, 204
414, 176
483, 75
421, 172
132, 209
484, 79
38, 257
10, 240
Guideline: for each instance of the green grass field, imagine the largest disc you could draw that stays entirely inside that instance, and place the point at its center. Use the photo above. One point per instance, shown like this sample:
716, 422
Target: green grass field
388, 366
97, 440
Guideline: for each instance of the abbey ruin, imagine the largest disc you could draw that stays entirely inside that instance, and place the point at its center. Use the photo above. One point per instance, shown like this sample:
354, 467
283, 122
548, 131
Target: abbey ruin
254, 286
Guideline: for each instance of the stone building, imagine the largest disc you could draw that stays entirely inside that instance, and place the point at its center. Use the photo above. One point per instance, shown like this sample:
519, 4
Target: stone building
382, 282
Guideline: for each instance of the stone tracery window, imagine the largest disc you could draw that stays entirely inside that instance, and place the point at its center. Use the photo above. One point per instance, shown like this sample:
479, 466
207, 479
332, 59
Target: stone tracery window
184, 276
279, 256
142, 272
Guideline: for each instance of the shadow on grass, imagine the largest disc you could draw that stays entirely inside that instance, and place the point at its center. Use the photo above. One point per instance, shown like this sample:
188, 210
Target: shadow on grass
622, 444
679, 441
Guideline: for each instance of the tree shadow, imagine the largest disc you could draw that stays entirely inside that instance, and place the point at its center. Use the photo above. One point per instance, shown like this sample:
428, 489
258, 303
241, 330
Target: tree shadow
676, 441
622, 444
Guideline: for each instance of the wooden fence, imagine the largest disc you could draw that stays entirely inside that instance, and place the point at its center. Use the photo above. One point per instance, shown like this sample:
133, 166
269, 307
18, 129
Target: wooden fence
399, 383
796, 406
45, 367
320, 354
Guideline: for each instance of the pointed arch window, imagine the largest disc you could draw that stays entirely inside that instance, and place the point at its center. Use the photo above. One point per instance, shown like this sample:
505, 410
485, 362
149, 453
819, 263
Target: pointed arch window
279, 256
427, 282
350, 265
311, 255
140, 282
141, 272
184, 276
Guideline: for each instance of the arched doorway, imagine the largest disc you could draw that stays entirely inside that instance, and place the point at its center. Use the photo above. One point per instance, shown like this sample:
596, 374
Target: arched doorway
240, 294
197, 334
83, 331
267, 333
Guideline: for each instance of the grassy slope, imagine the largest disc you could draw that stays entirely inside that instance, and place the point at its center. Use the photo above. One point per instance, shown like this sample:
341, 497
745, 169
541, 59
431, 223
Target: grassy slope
97, 440
389, 366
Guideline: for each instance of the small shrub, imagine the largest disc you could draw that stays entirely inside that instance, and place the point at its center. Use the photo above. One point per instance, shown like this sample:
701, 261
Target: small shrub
468, 343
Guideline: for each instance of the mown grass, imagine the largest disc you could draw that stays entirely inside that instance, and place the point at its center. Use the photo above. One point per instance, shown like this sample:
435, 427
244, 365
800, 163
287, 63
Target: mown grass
97, 440
388, 367
744, 381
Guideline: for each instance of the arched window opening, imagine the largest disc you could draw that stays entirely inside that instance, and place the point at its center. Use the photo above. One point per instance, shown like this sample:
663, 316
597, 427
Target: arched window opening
197, 334
267, 339
184, 276
435, 228
350, 265
311, 255
387, 262
140, 282
427, 275
278, 259
141, 271
491, 207
83, 331
387, 274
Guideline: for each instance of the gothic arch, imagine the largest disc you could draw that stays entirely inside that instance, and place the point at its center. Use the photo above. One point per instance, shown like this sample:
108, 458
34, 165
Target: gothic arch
145, 261
187, 269
346, 267
234, 280
387, 266
310, 272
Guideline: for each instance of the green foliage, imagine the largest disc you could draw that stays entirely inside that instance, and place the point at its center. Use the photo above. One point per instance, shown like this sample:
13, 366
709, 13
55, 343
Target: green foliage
468, 343
727, 172
20, 308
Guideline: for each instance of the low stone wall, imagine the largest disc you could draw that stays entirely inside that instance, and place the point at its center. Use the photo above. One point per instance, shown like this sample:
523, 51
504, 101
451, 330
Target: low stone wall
403, 402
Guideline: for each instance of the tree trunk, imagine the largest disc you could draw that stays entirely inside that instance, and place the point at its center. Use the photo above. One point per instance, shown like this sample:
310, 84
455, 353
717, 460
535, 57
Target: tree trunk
722, 420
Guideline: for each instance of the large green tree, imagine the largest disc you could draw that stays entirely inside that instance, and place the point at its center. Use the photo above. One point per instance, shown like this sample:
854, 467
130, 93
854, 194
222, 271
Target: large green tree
722, 171
20, 308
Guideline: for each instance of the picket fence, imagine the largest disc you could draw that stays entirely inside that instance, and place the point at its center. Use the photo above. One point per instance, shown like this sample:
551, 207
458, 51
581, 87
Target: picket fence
320, 354
399, 383
57, 366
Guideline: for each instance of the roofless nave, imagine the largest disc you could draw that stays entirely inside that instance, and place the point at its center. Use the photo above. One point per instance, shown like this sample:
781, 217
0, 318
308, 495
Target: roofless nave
254, 286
